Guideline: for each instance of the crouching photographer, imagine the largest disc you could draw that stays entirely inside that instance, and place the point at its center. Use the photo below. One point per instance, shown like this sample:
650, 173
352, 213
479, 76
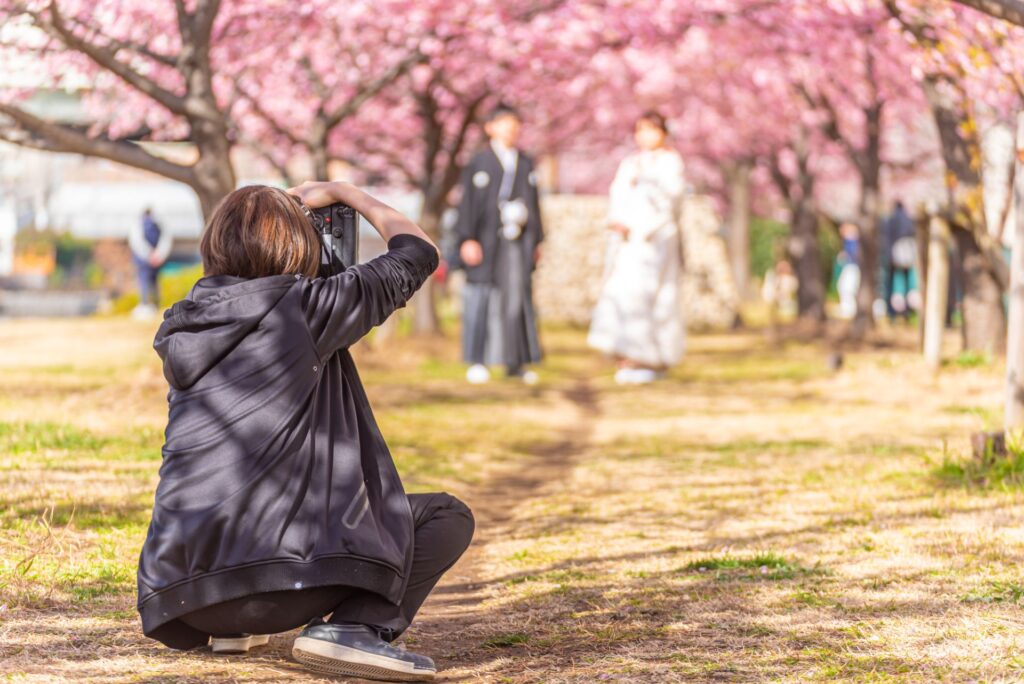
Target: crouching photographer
279, 504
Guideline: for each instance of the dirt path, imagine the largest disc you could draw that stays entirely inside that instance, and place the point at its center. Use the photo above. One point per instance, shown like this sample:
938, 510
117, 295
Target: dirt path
453, 624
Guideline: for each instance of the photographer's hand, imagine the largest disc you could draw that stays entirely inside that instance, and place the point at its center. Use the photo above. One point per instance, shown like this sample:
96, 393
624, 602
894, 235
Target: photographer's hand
383, 218
471, 253
315, 194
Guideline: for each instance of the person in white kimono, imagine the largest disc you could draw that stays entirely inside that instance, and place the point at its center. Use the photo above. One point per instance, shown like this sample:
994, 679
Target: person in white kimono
638, 318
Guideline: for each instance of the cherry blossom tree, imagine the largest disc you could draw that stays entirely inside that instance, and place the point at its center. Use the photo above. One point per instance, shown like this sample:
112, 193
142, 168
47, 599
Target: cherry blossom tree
201, 73
152, 75
397, 89
970, 70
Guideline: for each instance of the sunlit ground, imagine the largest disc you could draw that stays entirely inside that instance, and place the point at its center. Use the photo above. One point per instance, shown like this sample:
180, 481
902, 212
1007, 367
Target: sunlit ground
754, 517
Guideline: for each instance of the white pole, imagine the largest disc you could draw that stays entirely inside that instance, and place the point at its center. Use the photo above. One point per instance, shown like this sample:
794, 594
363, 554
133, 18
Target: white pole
1014, 417
937, 292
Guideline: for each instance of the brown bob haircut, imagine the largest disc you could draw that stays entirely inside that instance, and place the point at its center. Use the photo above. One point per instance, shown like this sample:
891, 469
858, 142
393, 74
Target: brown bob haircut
260, 231
655, 118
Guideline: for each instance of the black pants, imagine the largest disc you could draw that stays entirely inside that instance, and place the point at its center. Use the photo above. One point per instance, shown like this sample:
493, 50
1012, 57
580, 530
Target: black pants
443, 530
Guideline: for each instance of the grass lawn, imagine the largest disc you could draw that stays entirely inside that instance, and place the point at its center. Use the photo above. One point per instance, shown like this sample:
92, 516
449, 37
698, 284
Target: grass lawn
753, 517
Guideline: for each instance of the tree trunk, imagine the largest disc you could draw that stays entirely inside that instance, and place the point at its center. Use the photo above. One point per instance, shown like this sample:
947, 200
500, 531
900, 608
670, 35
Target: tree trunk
1014, 410
984, 276
738, 176
805, 255
319, 159
869, 231
214, 175
984, 317
425, 320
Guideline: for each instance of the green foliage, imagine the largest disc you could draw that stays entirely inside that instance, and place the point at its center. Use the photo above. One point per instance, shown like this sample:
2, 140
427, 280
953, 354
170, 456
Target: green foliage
996, 592
971, 359
991, 471
766, 244
561, 577
506, 640
769, 566
174, 282
72, 256
829, 246
125, 303
30, 437
39, 440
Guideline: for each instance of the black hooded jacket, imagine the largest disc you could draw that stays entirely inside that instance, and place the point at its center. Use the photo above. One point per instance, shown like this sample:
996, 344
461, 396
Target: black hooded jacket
274, 473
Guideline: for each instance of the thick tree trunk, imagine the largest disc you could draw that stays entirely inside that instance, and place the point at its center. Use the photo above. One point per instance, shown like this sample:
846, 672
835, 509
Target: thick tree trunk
214, 175
870, 221
1014, 410
738, 176
984, 272
984, 317
805, 255
425, 320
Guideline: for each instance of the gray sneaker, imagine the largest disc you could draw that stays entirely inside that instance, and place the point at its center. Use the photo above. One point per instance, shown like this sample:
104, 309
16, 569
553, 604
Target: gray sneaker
358, 651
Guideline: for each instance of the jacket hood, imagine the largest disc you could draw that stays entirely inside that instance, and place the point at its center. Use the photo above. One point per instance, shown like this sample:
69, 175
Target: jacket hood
218, 313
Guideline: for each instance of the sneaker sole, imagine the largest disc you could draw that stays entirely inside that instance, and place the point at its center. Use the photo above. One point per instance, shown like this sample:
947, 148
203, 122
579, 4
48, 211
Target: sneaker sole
237, 645
334, 659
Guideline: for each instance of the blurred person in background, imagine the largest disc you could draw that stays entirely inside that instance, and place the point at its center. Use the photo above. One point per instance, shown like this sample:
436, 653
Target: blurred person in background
779, 291
150, 246
900, 260
638, 318
847, 270
499, 232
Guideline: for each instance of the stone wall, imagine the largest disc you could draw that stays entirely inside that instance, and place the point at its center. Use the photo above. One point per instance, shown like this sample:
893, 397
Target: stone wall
568, 279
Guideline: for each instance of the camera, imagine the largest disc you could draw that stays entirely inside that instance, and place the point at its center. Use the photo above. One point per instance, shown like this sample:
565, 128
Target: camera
338, 226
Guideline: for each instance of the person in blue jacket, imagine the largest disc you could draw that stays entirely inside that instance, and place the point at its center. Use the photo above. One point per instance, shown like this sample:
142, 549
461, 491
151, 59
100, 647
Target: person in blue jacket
150, 245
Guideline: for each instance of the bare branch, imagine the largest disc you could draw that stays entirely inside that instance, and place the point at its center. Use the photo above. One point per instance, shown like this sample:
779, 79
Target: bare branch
394, 159
206, 14
1007, 10
107, 59
258, 109
452, 168
370, 89
31, 131
118, 45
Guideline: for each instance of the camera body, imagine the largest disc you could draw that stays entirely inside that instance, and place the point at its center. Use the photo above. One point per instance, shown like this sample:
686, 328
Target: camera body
338, 226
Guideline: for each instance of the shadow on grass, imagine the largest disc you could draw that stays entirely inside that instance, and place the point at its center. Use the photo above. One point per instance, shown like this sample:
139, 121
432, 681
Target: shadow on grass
714, 625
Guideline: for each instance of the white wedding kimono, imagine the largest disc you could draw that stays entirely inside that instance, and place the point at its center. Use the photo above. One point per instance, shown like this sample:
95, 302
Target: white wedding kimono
639, 315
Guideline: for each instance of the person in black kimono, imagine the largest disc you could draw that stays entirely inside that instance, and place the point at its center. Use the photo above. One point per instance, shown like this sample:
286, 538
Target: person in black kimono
499, 232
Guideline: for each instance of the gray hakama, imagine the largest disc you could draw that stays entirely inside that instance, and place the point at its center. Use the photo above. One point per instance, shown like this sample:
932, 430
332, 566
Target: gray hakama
499, 322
